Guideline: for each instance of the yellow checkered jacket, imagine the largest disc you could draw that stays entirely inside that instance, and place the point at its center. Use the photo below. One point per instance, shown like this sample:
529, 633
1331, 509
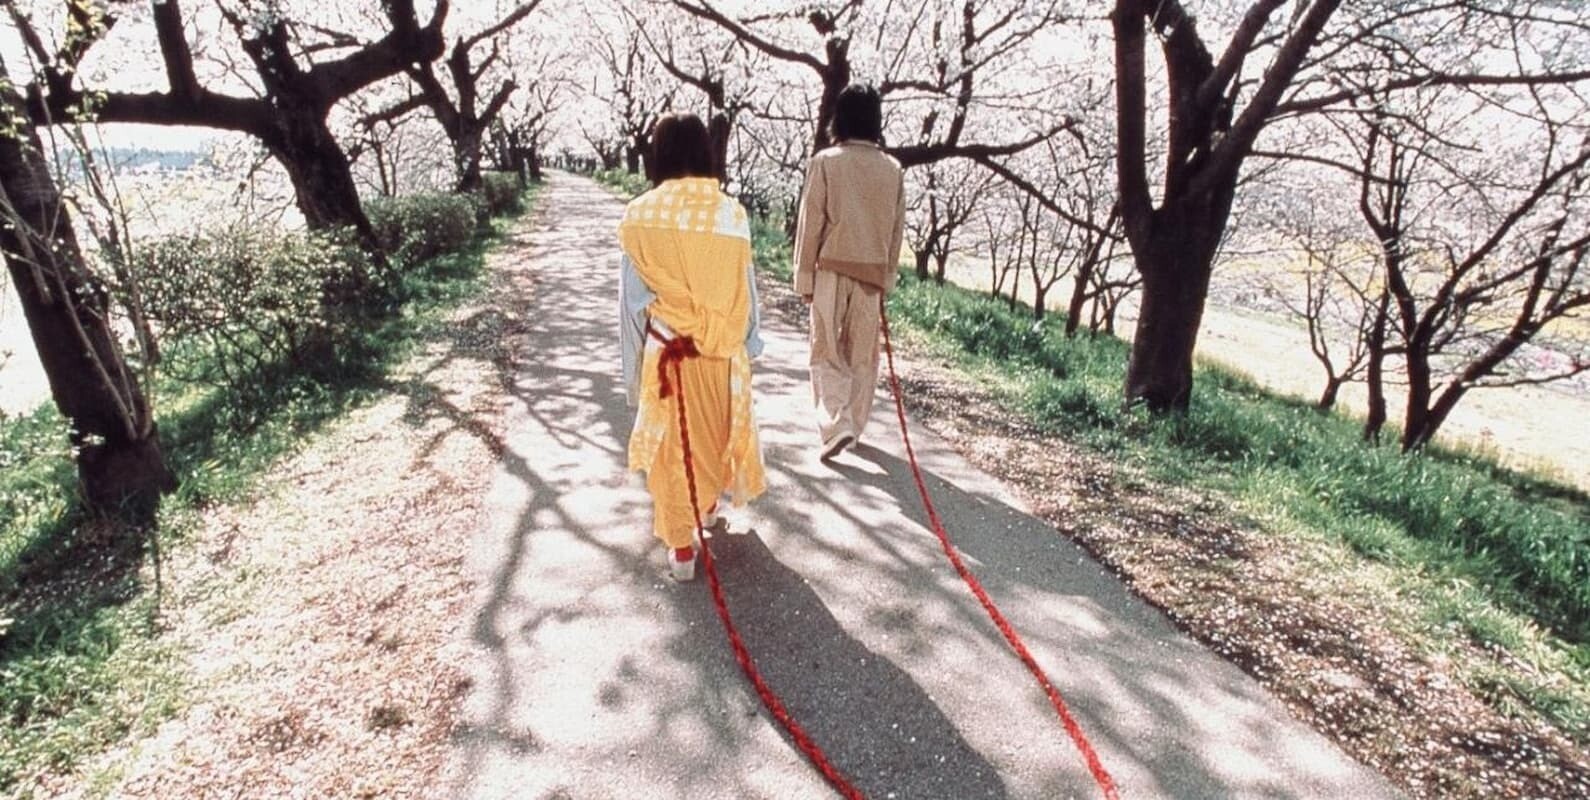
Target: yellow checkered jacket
691, 245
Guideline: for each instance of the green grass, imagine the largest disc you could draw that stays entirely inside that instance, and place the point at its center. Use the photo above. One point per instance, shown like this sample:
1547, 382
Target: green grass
1528, 541
623, 181
1499, 558
82, 664
35, 486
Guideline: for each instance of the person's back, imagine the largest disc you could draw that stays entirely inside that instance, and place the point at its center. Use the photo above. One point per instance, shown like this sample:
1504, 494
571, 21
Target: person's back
687, 230
689, 246
847, 257
860, 189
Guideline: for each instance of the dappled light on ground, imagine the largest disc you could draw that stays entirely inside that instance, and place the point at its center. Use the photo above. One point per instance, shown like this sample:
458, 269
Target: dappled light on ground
595, 676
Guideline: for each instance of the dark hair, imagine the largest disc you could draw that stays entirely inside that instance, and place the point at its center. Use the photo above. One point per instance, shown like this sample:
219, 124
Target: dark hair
858, 114
680, 148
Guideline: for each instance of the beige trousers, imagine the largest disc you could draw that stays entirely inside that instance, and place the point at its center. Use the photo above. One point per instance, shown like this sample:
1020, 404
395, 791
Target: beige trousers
844, 360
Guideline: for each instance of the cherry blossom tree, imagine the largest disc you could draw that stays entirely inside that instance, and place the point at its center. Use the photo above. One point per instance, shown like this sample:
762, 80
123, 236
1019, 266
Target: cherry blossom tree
1317, 58
120, 463
465, 112
295, 88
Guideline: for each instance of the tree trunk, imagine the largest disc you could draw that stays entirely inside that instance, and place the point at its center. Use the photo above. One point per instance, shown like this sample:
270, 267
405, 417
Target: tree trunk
386, 172
1415, 425
1175, 286
120, 463
520, 169
632, 159
1327, 399
322, 180
720, 128
1079, 297
1085, 272
791, 219
922, 264
1432, 419
836, 76
328, 197
466, 160
940, 264
1039, 292
1374, 372
532, 164
1173, 250
1418, 424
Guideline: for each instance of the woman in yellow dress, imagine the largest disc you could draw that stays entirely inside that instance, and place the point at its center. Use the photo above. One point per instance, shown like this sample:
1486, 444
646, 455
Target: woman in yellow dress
689, 246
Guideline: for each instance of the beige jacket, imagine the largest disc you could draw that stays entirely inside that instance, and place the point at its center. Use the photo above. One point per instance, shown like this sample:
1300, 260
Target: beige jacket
852, 216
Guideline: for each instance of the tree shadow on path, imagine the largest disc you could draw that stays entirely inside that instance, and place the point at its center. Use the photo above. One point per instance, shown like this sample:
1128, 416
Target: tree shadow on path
881, 729
599, 673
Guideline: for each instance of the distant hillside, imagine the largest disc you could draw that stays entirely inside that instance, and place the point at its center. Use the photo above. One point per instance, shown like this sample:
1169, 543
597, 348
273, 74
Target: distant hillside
134, 159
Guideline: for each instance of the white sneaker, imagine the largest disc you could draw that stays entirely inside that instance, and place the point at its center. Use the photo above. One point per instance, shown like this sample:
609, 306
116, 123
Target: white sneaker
836, 444
682, 570
715, 522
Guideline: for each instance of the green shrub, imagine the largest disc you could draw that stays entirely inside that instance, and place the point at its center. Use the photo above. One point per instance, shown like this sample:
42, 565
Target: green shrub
234, 305
624, 181
420, 227
772, 248
502, 193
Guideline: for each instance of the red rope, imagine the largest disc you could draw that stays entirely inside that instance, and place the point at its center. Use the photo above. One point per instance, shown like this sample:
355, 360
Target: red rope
1100, 775
675, 352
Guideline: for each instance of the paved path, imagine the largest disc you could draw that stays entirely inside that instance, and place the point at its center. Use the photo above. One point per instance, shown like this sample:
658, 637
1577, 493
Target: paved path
599, 678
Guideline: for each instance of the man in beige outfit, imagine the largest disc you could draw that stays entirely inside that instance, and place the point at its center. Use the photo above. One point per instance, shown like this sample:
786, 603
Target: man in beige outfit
847, 254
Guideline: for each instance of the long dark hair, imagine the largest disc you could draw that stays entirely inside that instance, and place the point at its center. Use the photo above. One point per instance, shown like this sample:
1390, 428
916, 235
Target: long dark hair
680, 148
858, 114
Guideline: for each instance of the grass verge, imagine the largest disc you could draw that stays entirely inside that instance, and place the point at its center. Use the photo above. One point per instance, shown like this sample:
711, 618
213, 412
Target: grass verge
82, 661
622, 181
1482, 557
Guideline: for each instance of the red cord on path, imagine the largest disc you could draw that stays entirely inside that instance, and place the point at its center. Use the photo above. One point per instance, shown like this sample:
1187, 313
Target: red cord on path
675, 354
1100, 775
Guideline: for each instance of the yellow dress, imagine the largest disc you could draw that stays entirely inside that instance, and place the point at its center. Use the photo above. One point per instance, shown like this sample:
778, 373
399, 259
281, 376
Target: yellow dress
690, 243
